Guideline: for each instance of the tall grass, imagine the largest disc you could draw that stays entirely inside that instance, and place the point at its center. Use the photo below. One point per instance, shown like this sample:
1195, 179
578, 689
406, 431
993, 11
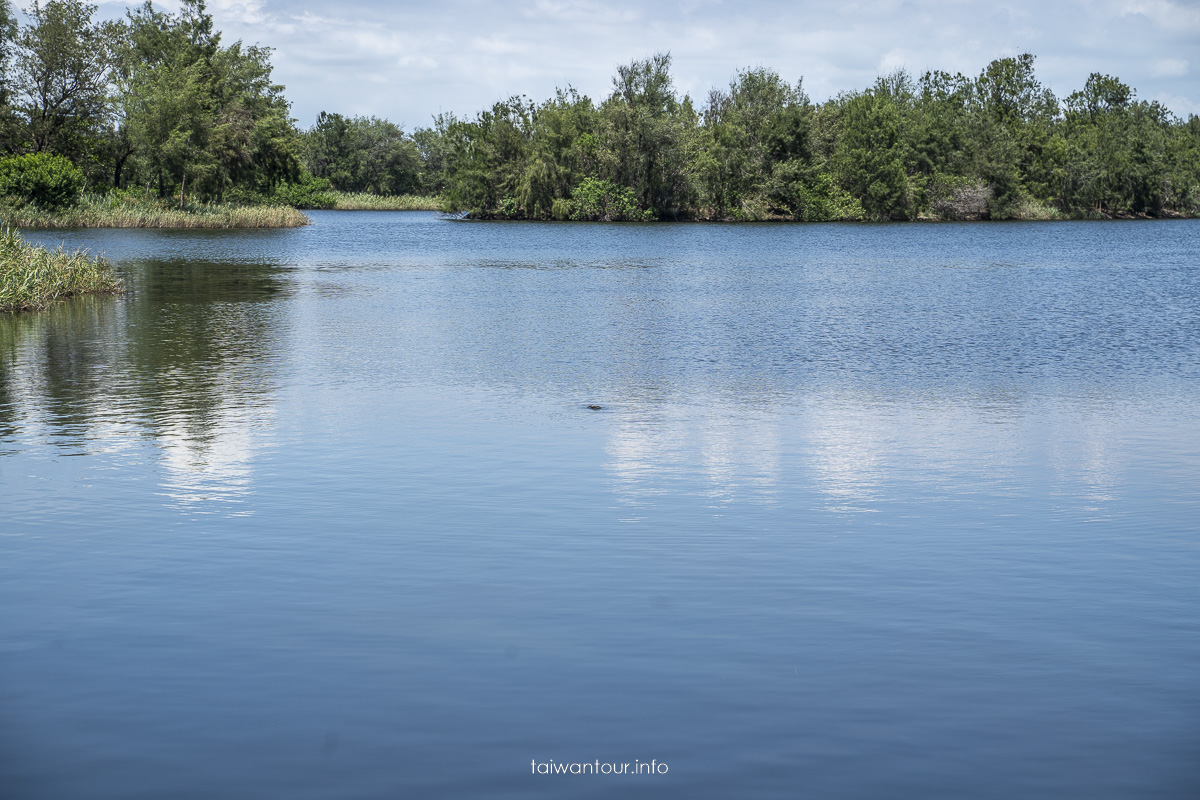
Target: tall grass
124, 211
1040, 210
32, 278
361, 201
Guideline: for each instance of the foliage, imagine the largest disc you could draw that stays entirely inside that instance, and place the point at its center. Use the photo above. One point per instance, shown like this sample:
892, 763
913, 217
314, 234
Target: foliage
45, 180
604, 201
363, 154
191, 111
32, 277
958, 197
754, 143
157, 101
307, 192
649, 133
434, 150
132, 209
939, 147
348, 201
804, 194
61, 70
870, 159
310, 194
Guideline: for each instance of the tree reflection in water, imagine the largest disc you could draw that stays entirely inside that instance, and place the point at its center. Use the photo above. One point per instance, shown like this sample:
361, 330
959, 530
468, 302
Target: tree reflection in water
190, 362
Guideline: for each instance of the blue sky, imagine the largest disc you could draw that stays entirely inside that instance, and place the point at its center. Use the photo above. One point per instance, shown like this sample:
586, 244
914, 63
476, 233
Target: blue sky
408, 60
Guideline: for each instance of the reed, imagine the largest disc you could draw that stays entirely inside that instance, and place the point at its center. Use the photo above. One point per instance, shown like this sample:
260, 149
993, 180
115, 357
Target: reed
361, 201
32, 278
124, 211
1033, 209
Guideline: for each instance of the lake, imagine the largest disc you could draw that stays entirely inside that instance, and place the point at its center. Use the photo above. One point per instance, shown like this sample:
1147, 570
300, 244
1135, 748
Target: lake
865, 511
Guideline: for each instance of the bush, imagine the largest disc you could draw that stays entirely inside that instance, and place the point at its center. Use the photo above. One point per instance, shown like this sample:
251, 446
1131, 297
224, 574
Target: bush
244, 196
562, 208
605, 201
952, 197
508, 208
308, 193
47, 181
810, 196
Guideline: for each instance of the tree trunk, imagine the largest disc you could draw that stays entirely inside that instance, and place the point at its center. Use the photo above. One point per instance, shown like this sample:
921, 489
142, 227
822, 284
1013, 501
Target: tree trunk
117, 171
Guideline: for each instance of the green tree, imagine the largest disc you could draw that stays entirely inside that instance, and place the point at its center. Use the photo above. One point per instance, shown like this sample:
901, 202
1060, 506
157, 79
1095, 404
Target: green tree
563, 152
434, 148
1120, 154
363, 154
193, 115
1013, 122
61, 79
870, 157
487, 159
10, 126
760, 124
652, 136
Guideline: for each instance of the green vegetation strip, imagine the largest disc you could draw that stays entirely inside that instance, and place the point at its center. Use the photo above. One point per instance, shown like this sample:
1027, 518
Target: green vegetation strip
361, 201
156, 111
32, 278
116, 211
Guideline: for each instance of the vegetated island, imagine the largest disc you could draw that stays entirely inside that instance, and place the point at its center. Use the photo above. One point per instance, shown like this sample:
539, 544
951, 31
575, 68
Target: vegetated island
938, 147
32, 277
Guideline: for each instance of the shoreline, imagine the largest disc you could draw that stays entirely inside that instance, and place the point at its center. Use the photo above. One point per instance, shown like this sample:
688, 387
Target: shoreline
118, 212
363, 201
921, 220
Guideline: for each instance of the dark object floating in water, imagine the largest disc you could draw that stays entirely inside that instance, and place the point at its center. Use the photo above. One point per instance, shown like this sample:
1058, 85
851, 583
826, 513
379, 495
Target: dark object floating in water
595, 408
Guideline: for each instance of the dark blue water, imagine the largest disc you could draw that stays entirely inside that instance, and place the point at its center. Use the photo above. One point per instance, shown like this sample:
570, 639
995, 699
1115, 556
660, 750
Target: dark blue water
904, 511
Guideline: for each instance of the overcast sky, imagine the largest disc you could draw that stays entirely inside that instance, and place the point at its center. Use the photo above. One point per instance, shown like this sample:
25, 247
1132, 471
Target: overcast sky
408, 60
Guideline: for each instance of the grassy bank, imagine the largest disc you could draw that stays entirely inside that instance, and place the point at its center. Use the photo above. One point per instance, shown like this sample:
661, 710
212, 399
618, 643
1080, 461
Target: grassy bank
361, 201
118, 211
32, 277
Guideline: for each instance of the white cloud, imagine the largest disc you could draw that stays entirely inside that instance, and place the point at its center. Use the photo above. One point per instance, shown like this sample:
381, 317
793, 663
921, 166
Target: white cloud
891, 61
1181, 106
580, 11
463, 55
1170, 68
1165, 14
247, 12
497, 45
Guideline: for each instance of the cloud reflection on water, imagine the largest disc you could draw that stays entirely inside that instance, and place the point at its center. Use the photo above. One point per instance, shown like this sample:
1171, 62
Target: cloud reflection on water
853, 455
193, 371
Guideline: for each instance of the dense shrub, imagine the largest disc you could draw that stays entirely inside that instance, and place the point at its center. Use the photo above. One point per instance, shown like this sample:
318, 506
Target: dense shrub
955, 197
310, 193
604, 200
47, 181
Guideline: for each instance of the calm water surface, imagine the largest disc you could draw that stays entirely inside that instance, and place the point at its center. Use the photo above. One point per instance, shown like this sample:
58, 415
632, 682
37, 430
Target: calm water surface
904, 511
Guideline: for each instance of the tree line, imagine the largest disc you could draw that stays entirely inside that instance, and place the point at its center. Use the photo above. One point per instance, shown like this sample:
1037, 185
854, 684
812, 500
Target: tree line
156, 104
152, 101
998, 145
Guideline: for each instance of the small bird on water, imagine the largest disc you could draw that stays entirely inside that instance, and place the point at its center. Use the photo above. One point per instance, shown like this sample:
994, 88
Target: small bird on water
595, 408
